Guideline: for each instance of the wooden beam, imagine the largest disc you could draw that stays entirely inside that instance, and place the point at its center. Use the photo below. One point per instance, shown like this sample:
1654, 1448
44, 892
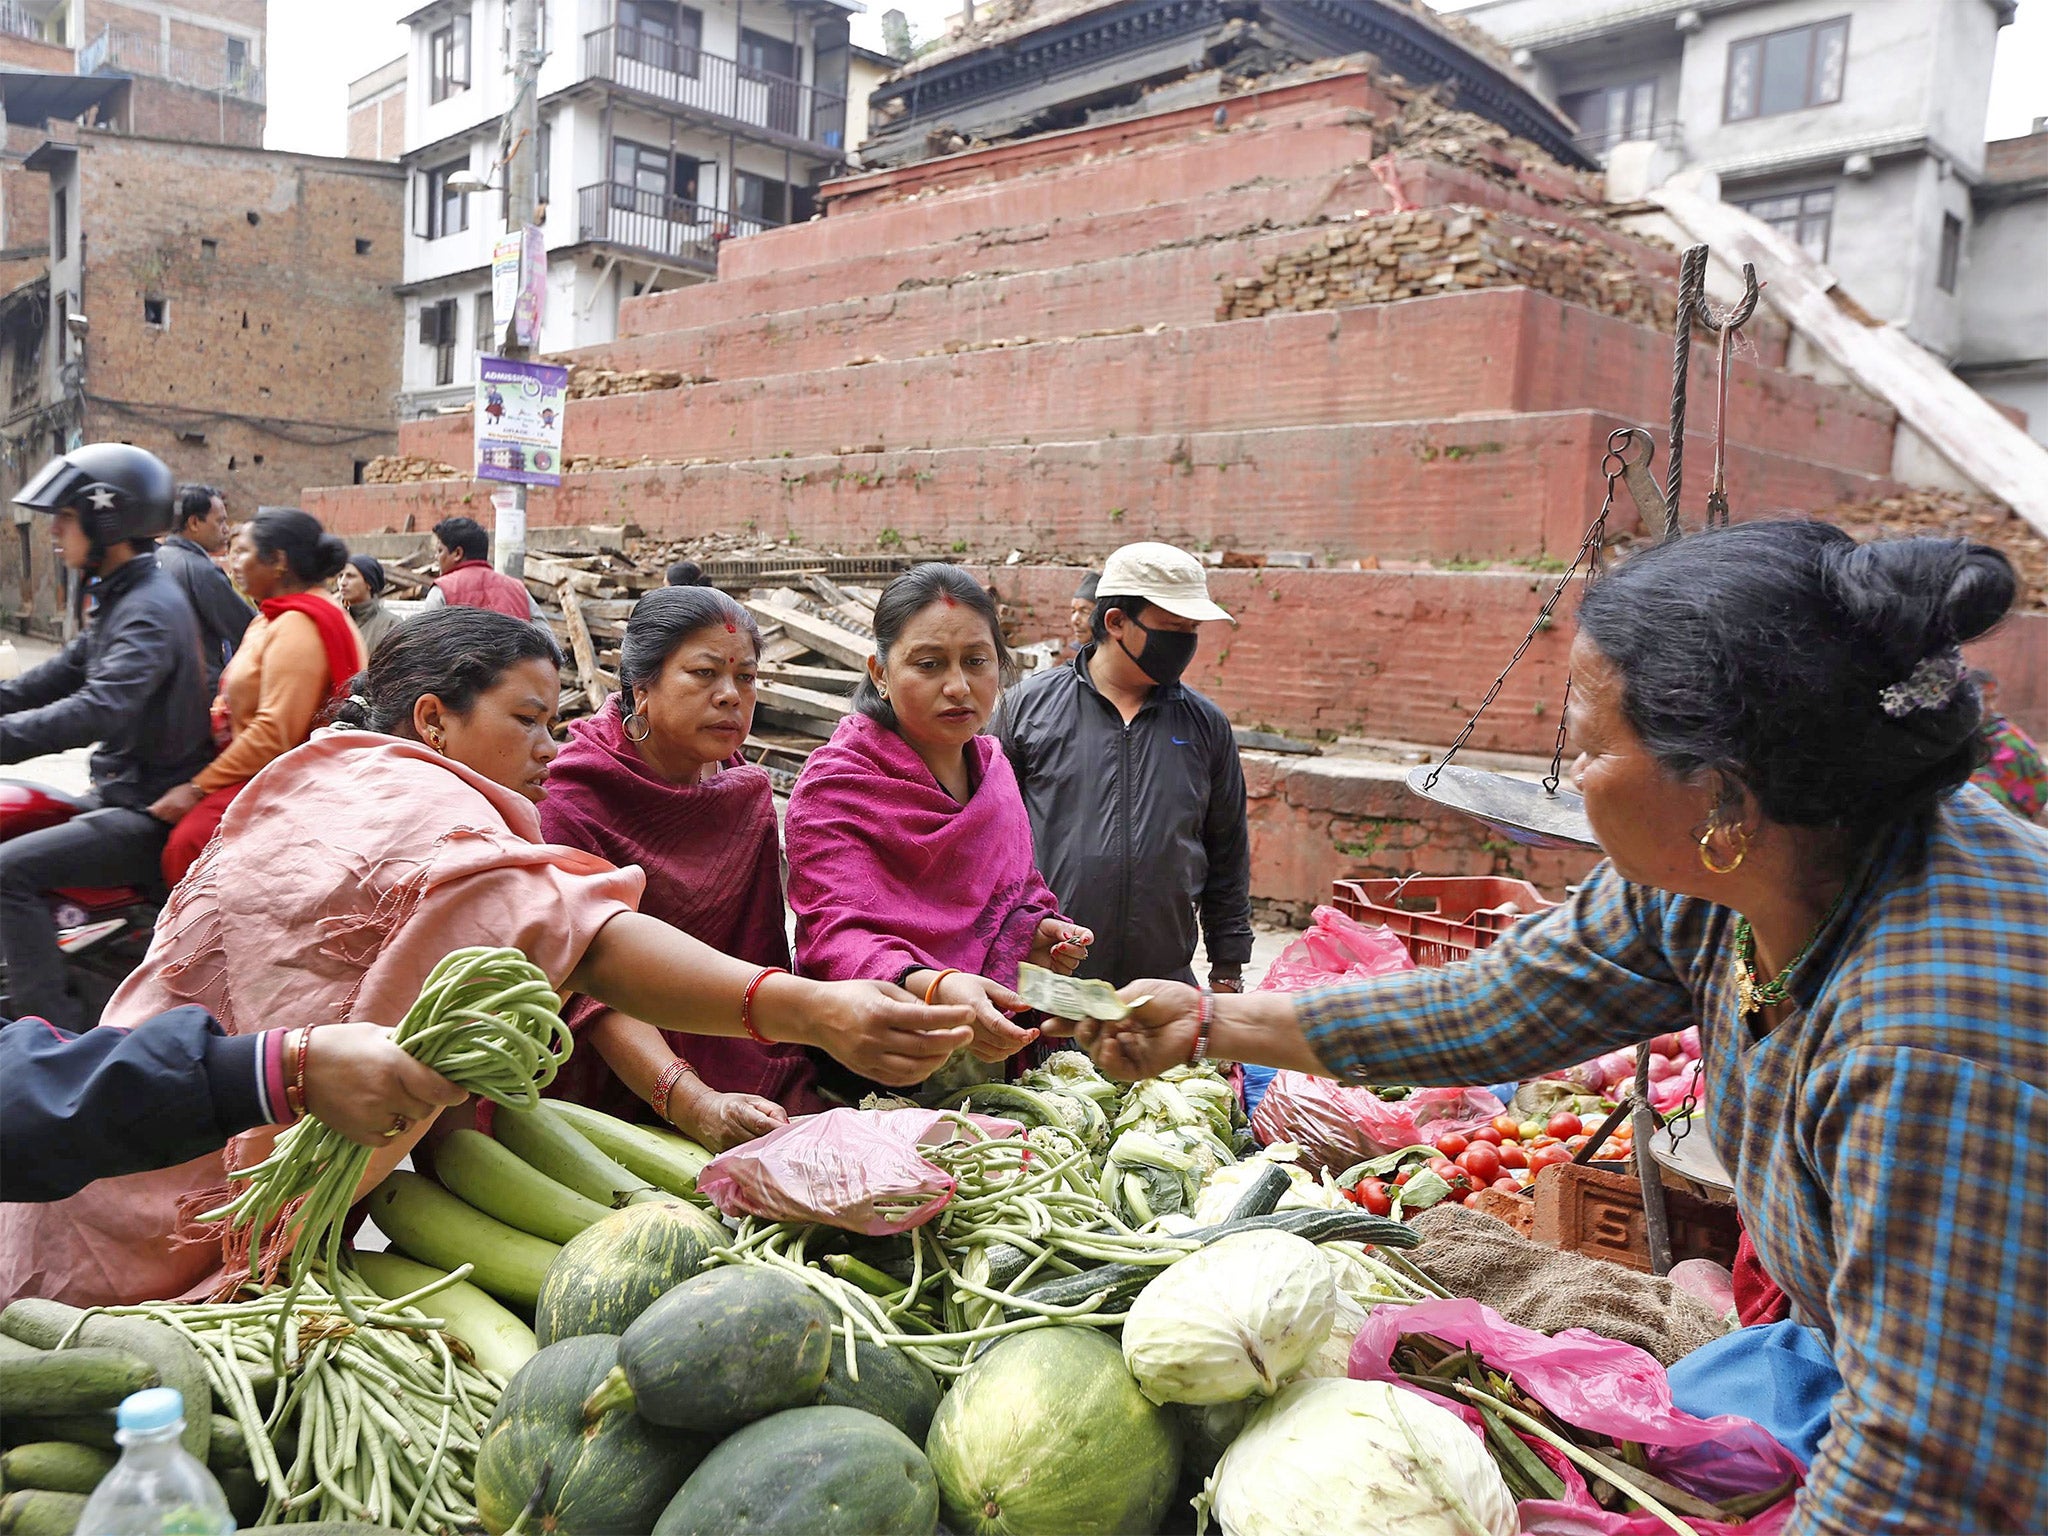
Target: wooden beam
824, 679
580, 646
553, 573
821, 635
804, 701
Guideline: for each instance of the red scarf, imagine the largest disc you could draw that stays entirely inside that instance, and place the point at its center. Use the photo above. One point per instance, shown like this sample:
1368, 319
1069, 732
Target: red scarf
338, 636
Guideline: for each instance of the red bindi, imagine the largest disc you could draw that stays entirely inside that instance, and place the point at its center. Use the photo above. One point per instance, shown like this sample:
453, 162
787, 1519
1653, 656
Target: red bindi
731, 628
951, 600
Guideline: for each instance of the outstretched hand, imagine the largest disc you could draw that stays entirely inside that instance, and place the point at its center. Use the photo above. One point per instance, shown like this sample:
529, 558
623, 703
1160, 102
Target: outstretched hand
1160, 1032
363, 1086
881, 1031
1060, 946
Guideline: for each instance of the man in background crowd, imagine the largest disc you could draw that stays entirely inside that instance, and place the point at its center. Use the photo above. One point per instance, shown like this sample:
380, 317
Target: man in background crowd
1081, 613
188, 555
467, 580
1133, 783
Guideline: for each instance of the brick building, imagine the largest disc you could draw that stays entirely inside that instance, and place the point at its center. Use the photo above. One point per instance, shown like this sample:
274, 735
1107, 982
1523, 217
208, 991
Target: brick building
229, 308
376, 112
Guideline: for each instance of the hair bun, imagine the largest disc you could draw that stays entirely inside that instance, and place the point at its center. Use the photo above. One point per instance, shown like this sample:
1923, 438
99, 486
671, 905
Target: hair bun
1911, 597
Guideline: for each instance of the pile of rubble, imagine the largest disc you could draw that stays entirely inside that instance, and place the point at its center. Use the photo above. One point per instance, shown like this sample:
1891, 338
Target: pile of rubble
1957, 516
1380, 257
398, 469
587, 381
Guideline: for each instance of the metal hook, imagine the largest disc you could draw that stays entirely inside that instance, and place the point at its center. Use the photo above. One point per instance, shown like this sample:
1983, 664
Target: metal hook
1692, 309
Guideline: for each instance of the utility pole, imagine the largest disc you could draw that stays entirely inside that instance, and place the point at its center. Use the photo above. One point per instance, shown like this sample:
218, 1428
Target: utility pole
524, 131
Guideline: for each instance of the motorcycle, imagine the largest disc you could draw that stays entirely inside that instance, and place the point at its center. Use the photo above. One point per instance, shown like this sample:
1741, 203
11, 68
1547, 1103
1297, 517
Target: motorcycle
104, 931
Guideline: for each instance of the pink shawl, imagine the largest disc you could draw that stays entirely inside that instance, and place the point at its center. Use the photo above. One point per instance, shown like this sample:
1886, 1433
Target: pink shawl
887, 873
714, 870
343, 874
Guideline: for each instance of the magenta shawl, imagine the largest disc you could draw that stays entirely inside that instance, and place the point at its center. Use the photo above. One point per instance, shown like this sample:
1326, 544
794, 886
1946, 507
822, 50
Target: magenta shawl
713, 870
887, 873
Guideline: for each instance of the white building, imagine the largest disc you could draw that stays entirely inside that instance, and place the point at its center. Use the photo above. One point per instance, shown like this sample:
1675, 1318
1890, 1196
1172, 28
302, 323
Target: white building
665, 129
1856, 126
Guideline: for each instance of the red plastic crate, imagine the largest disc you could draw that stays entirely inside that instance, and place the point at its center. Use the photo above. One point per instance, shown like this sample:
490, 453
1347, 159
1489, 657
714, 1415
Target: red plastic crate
1441, 918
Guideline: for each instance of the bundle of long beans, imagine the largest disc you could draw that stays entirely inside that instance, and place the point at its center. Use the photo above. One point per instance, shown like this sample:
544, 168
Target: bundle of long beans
486, 1020
375, 1414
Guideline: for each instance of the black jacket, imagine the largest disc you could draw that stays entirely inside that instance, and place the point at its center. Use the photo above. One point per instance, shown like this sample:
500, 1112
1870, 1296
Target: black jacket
133, 681
222, 614
1140, 828
74, 1108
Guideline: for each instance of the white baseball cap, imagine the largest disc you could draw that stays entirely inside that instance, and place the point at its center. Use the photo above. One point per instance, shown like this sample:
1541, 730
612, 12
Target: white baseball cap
1170, 578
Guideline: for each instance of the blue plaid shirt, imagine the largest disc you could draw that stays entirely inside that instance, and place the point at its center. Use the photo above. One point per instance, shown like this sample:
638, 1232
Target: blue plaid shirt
1888, 1140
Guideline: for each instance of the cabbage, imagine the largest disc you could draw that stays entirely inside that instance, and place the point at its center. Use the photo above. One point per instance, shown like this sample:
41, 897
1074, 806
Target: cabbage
1356, 1458
1230, 1320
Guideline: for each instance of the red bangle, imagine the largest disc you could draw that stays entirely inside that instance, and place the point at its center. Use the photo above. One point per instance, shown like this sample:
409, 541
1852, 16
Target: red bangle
747, 1003
665, 1085
1205, 1015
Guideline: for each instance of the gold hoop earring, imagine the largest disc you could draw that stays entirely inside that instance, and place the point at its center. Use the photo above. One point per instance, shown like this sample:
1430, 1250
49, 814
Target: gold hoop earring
646, 730
1707, 854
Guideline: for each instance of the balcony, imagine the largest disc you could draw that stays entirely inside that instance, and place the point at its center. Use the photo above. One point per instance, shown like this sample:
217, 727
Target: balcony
1670, 133
134, 53
754, 103
684, 234
17, 22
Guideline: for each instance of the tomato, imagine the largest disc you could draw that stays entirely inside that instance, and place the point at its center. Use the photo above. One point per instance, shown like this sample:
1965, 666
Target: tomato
1512, 1156
1451, 1144
1549, 1157
1459, 1180
1563, 1124
1573, 1143
1487, 1134
1509, 1127
1471, 1201
1541, 1142
1507, 1186
1402, 1177
1372, 1194
1482, 1162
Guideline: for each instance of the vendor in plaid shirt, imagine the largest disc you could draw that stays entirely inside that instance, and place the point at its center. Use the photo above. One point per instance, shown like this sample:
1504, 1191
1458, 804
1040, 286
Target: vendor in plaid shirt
1774, 730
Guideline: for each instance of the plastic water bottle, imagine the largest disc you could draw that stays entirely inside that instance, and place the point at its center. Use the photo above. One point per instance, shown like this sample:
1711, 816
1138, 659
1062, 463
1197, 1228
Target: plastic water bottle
157, 1488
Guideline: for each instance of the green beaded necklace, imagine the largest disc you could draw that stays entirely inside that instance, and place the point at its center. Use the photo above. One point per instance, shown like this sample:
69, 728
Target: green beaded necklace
1751, 995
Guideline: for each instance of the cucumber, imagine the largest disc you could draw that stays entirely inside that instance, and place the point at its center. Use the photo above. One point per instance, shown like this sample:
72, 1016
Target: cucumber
1262, 1196
35, 1512
55, 1465
94, 1429
72, 1380
494, 1337
178, 1364
426, 1223
227, 1449
498, 1182
1317, 1226
663, 1158
546, 1140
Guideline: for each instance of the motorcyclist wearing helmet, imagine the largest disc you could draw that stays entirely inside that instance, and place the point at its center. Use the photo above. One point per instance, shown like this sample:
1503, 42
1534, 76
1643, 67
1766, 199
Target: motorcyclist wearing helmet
133, 681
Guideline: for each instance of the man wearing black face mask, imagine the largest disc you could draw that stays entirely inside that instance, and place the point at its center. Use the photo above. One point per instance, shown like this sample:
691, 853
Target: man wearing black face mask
1132, 780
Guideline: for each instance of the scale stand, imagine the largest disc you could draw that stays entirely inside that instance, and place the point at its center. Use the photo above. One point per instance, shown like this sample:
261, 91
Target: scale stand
1547, 815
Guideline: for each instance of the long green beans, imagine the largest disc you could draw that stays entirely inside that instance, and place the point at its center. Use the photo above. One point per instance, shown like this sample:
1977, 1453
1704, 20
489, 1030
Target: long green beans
487, 1020
376, 1416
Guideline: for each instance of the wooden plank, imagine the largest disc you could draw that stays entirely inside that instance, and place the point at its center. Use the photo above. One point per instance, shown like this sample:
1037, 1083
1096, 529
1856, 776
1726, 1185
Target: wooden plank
824, 679
849, 617
789, 720
552, 573
580, 646
803, 701
1957, 422
821, 635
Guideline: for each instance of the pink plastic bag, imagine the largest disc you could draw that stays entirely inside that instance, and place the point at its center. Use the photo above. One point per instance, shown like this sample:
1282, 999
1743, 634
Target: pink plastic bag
1609, 1388
853, 1168
1336, 1126
1336, 948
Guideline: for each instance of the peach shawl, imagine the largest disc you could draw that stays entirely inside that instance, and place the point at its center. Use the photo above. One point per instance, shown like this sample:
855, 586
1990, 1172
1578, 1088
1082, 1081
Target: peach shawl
340, 877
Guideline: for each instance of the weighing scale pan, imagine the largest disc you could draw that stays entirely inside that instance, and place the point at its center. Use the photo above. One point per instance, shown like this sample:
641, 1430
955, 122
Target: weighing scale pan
1519, 810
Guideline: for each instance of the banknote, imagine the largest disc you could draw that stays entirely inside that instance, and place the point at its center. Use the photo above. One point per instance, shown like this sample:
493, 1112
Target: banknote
1069, 997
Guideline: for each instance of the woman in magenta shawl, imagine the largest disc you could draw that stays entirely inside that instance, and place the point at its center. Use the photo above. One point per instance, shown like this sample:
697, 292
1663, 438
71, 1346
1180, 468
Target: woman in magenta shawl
910, 855
656, 779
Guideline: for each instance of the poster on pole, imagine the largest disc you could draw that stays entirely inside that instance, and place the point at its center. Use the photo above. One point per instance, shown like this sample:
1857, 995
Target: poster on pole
519, 286
519, 411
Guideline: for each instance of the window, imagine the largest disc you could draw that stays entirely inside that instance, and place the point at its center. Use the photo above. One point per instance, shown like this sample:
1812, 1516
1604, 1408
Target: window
1803, 217
661, 34
448, 60
437, 332
362, 246
1951, 253
543, 153
486, 340
1786, 71
209, 250
540, 31
640, 175
1614, 114
238, 60
60, 223
154, 312
761, 54
771, 202
61, 314
447, 211
360, 466
688, 172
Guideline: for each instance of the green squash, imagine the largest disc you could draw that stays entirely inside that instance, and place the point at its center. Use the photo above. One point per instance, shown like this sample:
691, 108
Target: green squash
722, 1350
609, 1474
824, 1471
1048, 1435
892, 1386
612, 1271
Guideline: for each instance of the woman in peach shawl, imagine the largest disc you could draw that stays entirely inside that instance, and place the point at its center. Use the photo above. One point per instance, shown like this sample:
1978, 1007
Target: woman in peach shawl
348, 869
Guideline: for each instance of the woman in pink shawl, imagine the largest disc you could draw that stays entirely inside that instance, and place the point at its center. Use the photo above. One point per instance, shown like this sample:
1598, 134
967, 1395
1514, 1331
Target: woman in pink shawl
350, 867
910, 855
656, 780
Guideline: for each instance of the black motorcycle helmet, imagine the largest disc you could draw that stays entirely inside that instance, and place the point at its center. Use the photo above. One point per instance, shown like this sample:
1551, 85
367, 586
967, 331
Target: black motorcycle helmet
120, 492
